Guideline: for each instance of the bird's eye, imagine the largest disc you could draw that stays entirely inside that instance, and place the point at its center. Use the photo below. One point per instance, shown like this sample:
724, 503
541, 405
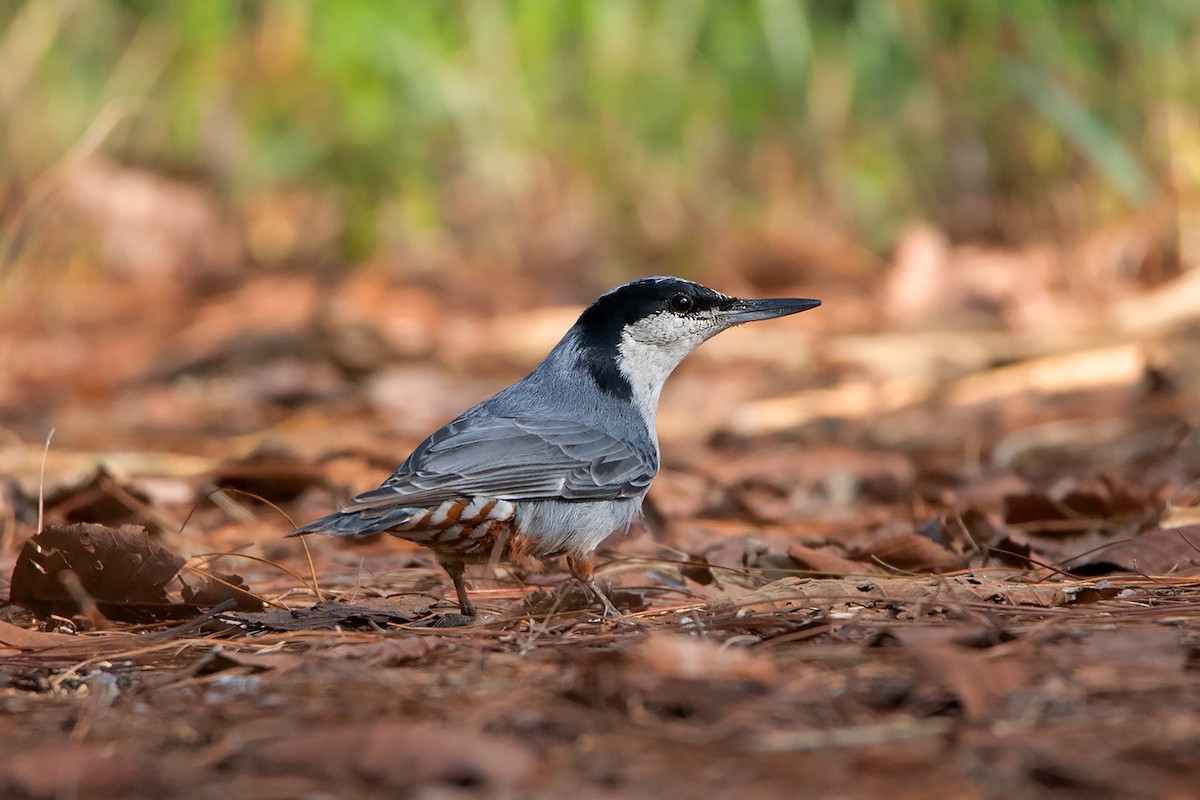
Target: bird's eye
681, 304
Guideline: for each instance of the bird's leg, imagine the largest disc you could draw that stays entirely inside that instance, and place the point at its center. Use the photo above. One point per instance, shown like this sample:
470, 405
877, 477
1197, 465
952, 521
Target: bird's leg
469, 613
582, 570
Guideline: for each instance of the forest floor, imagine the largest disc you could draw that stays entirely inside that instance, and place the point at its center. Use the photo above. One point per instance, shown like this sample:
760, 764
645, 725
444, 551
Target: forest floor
879, 559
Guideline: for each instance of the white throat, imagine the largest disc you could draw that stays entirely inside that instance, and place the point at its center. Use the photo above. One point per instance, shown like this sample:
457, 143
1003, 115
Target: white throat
649, 351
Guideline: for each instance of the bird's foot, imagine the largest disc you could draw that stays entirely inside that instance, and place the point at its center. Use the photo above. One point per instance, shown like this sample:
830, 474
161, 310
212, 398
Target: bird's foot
583, 571
610, 610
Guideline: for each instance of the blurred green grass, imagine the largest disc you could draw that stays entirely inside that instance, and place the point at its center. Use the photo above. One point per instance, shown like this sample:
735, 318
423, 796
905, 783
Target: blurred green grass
657, 123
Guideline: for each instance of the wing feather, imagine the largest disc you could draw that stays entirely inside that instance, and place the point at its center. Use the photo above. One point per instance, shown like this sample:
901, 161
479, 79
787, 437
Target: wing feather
515, 459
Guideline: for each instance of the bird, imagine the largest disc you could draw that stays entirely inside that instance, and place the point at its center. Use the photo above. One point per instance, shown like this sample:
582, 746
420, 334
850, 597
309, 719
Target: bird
557, 462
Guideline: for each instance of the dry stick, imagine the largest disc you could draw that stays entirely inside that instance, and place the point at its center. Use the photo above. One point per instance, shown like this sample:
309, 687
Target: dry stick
42, 480
1035, 562
312, 570
1095, 549
307, 553
1189, 542
232, 554
1153, 580
967, 533
885, 565
224, 490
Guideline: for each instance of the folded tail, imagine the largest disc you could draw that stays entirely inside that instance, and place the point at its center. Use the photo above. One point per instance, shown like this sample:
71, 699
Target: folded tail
356, 523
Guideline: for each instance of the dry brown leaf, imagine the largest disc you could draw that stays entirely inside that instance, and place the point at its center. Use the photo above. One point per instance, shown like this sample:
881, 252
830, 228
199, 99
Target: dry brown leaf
122, 569
25, 639
911, 552
1175, 551
276, 478
101, 498
1076, 508
829, 561
397, 754
278, 663
150, 226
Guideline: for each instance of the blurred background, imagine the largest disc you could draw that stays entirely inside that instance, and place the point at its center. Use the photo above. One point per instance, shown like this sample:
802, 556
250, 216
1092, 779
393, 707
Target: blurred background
244, 209
253, 251
587, 142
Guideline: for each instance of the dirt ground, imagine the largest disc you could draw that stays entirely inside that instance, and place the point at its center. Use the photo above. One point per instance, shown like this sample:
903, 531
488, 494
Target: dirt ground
882, 559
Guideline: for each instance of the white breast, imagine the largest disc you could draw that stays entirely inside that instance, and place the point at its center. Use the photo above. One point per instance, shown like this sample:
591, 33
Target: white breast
559, 526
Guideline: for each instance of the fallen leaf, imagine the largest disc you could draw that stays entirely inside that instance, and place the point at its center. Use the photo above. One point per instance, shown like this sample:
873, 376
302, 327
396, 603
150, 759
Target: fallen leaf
122, 569
150, 226
397, 754
25, 639
828, 561
1074, 509
765, 500
102, 498
911, 552
698, 569
1175, 551
274, 477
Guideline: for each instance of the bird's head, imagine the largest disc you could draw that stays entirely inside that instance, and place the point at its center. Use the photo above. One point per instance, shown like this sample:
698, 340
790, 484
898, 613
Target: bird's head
631, 338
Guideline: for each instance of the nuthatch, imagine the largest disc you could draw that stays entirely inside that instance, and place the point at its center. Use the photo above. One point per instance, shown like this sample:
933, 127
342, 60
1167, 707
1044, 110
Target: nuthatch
561, 459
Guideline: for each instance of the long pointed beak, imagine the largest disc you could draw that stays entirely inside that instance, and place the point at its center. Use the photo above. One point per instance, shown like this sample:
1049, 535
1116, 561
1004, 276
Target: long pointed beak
742, 311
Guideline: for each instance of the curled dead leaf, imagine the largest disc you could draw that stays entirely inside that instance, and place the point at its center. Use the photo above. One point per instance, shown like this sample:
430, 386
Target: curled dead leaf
122, 569
115, 573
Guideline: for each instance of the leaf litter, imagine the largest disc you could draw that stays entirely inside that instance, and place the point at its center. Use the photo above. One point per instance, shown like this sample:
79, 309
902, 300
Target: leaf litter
988, 588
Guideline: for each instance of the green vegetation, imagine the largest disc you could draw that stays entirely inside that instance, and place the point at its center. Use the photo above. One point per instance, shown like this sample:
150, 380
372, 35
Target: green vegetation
655, 123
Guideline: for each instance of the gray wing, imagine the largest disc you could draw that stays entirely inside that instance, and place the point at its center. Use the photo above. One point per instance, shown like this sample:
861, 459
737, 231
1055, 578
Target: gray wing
516, 459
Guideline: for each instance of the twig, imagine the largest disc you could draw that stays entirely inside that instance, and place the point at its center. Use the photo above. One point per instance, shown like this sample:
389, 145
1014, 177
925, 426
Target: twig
312, 569
42, 480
